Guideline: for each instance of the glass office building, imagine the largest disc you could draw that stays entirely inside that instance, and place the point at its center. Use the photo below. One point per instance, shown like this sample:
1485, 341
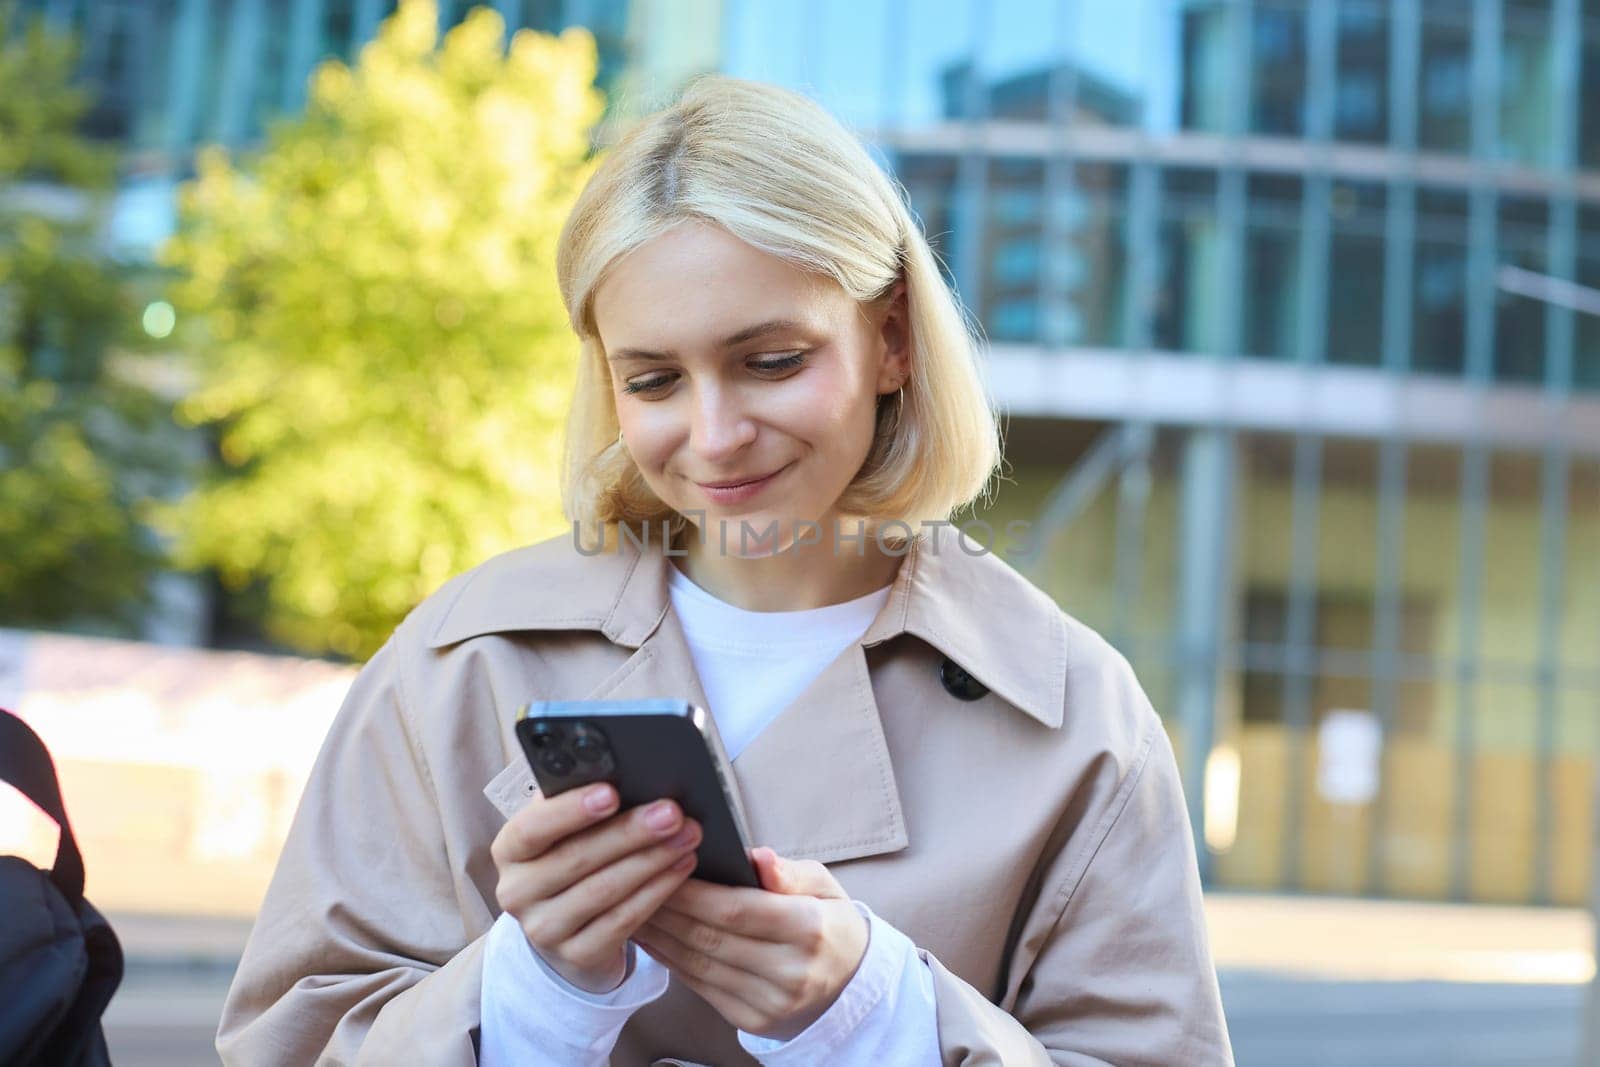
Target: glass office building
1294, 307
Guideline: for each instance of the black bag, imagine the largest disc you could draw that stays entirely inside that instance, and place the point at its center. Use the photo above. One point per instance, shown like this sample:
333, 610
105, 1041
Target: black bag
59, 961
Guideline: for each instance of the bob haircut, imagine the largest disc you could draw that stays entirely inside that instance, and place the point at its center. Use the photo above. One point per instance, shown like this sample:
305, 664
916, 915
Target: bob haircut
776, 170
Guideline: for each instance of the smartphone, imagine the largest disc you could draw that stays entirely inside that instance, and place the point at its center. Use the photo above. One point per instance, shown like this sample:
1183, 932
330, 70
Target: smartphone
649, 750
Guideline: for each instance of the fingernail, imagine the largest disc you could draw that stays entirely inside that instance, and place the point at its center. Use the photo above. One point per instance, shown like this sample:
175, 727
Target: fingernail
684, 864
599, 800
660, 816
684, 839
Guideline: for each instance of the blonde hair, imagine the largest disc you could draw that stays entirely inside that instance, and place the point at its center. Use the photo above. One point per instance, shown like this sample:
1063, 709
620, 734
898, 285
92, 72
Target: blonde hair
776, 170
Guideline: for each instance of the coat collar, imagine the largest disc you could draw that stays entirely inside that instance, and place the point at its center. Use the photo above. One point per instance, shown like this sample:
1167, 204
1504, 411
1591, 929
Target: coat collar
949, 592
817, 783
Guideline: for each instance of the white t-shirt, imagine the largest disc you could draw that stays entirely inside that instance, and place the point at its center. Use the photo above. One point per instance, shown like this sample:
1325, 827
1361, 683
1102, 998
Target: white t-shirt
754, 664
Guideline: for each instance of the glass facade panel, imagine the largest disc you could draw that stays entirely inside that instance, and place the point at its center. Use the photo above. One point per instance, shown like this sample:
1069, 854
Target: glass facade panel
1095, 296
1419, 815
1419, 821
930, 183
1505, 785
1510, 616
1183, 316
1586, 328
1589, 97
337, 24
1270, 297
1527, 86
1439, 283
1361, 83
1278, 68
1519, 321
1347, 563
1444, 97
1208, 67
1123, 60
1356, 274
1013, 254
1572, 807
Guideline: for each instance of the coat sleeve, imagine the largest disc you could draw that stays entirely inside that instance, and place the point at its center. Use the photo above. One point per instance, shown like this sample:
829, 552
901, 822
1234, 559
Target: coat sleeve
1113, 962
361, 952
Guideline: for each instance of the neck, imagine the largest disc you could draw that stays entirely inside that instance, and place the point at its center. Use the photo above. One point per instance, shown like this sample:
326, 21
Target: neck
797, 578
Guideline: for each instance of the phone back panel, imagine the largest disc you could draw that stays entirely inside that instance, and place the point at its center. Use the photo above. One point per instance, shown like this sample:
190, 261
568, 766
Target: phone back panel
655, 755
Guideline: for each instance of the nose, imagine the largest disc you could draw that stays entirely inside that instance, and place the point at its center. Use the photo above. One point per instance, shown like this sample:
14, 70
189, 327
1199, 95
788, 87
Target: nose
721, 426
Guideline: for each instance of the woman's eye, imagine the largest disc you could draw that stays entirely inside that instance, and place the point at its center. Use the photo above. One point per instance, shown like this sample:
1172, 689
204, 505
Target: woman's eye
648, 386
794, 359
656, 384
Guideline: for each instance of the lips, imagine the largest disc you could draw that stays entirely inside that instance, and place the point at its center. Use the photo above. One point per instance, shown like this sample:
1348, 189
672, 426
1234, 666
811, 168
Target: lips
738, 481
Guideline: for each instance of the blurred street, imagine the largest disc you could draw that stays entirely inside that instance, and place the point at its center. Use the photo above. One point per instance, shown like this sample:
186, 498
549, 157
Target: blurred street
1342, 991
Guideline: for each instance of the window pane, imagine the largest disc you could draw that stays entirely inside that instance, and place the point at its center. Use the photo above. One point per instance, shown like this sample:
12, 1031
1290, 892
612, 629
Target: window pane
1444, 119
1183, 316
1095, 296
1586, 348
1589, 98
1519, 333
1209, 68
1509, 616
1278, 69
1361, 92
1571, 784
1526, 87
1504, 793
1012, 240
930, 182
1419, 764
1356, 274
1270, 302
1439, 284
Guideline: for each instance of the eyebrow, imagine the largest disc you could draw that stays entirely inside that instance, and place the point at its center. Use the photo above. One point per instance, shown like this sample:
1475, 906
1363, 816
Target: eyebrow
749, 333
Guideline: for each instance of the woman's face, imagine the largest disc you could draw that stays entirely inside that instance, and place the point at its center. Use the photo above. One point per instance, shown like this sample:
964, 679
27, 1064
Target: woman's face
729, 364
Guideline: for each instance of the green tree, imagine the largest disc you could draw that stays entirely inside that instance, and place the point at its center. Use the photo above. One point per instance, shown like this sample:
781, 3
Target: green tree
375, 326
82, 444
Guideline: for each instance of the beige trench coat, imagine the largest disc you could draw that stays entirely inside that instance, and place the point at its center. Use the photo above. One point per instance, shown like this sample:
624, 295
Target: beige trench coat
1032, 842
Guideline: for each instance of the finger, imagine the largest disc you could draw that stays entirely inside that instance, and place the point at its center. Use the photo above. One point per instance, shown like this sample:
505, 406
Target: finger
752, 991
754, 913
768, 958
766, 865
616, 925
562, 915
544, 821
581, 854
808, 878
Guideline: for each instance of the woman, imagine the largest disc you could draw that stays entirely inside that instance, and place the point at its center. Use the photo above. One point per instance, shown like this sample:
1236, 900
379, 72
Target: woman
973, 842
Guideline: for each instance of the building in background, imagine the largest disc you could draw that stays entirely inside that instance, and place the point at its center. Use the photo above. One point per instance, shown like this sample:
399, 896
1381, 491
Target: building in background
1292, 307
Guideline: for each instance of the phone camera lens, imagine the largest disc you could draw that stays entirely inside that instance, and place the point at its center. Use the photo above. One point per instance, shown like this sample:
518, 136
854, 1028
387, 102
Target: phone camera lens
557, 762
589, 745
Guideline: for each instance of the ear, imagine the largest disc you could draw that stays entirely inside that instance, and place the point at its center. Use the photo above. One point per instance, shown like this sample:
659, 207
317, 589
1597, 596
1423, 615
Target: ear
894, 335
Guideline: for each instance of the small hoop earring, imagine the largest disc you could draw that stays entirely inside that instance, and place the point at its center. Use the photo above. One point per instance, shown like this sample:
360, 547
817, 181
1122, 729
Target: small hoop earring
899, 405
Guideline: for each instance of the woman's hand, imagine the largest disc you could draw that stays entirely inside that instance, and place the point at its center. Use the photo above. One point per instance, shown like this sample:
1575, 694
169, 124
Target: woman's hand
769, 960
580, 879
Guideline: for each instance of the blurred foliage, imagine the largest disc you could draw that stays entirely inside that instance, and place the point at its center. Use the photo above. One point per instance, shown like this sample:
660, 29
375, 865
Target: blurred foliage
81, 442
371, 306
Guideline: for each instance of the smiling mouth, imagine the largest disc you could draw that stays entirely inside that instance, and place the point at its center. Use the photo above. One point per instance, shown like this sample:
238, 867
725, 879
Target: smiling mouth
735, 485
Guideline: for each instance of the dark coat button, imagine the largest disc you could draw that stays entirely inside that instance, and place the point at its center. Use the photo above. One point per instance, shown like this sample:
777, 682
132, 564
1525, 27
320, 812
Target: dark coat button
958, 683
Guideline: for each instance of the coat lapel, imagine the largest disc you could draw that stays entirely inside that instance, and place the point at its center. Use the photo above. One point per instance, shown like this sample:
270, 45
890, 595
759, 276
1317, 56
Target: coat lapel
817, 781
